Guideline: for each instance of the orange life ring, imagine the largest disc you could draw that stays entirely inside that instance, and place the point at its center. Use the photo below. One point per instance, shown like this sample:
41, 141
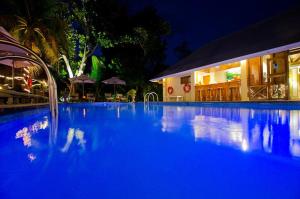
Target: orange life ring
29, 82
170, 90
187, 88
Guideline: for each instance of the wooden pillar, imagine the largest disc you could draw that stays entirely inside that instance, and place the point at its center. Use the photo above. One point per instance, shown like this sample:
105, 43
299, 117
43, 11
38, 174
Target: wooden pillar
244, 81
287, 71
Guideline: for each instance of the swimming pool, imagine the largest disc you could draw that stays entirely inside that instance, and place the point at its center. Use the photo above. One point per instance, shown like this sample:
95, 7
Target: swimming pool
110, 150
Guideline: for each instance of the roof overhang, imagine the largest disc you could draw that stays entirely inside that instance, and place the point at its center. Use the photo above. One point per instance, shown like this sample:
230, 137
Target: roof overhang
236, 59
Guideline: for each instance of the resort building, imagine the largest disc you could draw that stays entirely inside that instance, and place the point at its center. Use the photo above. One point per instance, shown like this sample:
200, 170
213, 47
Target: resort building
261, 62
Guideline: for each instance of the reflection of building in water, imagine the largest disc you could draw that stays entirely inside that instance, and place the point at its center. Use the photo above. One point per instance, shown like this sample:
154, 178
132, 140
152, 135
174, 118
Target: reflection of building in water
295, 133
119, 108
174, 117
27, 132
271, 131
31, 157
221, 131
78, 135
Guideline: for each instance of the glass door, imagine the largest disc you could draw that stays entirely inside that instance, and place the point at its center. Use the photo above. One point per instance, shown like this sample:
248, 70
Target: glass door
277, 77
294, 82
294, 75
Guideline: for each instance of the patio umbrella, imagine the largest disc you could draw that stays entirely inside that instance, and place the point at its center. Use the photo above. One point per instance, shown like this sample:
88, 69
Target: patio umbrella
114, 81
82, 79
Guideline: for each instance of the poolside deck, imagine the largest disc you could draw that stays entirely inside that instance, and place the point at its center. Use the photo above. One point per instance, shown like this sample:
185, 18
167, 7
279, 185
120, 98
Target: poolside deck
10, 108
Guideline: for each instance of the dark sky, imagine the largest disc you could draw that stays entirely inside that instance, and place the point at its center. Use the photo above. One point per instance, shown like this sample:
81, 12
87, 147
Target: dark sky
201, 21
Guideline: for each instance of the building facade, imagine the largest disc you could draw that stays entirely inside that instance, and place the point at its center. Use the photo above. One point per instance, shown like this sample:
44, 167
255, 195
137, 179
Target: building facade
261, 62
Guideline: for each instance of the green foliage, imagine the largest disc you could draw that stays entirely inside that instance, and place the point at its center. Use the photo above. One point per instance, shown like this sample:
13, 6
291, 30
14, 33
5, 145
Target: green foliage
132, 46
131, 94
63, 73
104, 41
97, 65
38, 25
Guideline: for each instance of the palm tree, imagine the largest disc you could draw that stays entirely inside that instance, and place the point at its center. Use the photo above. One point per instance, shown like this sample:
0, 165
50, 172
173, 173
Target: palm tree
38, 25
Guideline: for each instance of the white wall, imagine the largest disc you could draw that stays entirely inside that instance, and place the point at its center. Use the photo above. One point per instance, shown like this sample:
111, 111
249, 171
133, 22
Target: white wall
178, 88
220, 76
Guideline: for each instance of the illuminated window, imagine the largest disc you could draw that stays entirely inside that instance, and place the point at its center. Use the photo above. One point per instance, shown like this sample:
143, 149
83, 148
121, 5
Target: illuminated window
185, 80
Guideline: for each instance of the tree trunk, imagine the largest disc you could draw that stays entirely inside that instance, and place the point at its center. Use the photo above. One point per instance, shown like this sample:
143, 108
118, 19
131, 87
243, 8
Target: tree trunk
68, 66
82, 63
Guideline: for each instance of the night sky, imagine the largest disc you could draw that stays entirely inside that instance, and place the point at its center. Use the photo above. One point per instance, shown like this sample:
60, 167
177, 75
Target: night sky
201, 21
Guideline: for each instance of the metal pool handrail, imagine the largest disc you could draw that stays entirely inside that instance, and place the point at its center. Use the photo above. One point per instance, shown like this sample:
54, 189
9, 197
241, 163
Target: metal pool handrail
153, 95
32, 57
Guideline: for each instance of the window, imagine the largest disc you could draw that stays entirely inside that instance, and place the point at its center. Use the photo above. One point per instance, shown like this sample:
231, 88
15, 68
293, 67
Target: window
185, 80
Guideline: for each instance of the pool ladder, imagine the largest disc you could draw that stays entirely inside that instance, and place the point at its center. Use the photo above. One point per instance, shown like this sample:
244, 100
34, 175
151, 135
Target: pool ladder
151, 94
151, 108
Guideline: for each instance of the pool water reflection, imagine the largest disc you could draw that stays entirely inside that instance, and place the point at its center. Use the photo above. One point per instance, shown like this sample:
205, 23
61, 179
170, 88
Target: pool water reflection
270, 131
111, 150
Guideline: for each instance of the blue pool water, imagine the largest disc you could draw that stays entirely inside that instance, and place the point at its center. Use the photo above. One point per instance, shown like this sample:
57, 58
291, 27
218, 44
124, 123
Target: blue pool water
111, 151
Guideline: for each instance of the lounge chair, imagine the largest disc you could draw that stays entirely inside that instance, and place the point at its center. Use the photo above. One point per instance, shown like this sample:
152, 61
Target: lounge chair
90, 97
123, 98
74, 97
108, 97
118, 97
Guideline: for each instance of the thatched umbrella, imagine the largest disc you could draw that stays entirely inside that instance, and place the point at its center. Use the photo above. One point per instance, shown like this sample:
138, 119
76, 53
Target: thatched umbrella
114, 81
82, 79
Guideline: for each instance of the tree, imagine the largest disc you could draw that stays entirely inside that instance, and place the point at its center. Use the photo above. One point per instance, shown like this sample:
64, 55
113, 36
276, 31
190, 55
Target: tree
38, 25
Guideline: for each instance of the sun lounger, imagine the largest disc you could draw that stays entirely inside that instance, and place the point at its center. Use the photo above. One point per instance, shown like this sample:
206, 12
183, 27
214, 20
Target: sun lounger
108, 97
74, 97
90, 97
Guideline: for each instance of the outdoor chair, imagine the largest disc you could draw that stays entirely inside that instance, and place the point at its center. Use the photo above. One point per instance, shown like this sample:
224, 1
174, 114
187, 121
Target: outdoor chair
118, 97
108, 97
90, 97
124, 99
74, 97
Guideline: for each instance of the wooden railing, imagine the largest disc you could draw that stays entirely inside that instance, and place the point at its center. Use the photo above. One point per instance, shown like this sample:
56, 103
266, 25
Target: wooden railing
228, 91
258, 92
268, 92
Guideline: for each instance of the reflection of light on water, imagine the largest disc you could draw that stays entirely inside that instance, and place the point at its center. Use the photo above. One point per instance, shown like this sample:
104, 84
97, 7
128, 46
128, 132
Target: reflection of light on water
220, 131
84, 112
80, 137
31, 157
174, 117
78, 134
283, 116
168, 122
27, 132
267, 140
245, 145
169, 125
118, 112
244, 129
70, 137
295, 133
23, 133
